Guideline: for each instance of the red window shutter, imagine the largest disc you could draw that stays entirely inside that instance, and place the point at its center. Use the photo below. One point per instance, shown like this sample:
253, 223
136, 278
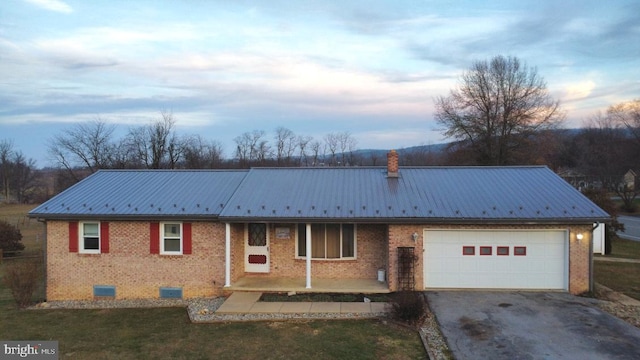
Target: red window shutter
155, 238
73, 236
104, 237
186, 238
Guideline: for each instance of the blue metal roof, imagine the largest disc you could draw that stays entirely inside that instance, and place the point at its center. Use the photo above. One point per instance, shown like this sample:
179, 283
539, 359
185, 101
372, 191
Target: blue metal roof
439, 194
366, 194
145, 194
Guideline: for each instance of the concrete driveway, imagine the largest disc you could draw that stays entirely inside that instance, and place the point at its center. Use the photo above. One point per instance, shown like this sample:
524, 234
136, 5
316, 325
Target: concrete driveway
530, 325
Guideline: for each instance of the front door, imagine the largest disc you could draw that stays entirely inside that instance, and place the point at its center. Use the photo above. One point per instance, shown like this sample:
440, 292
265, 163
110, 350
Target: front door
256, 250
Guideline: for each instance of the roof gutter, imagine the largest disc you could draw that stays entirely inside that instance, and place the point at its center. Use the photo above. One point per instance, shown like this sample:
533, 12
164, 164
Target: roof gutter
400, 221
182, 217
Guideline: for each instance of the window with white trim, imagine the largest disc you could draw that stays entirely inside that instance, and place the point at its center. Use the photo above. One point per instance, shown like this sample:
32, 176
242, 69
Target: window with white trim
89, 242
328, 241
171, 238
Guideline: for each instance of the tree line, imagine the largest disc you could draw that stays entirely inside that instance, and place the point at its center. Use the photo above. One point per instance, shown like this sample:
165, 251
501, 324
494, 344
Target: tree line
88, 147
18, 175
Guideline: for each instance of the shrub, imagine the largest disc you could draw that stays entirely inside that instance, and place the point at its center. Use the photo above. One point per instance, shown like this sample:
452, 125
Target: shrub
408, 306
22, 277
10, 238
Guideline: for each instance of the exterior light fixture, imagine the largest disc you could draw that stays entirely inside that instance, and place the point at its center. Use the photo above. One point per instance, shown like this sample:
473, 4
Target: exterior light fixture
414, 236
579, 236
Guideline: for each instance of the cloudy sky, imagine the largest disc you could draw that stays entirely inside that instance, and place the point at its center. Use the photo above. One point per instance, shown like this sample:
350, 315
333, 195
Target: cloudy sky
372, 68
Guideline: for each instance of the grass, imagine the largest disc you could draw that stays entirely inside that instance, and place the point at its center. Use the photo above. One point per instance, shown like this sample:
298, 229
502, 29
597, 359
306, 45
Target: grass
167, 333
622, 248
33, 233
164, 333
620, 276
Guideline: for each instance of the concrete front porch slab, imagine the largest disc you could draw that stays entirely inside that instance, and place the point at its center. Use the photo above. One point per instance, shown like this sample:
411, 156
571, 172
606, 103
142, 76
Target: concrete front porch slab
279, 284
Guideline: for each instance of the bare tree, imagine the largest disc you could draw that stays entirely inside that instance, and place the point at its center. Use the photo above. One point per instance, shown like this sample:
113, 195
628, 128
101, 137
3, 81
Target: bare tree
85, 146
262, 151
201, 154
23, 176
606, 153
331, 141
156, 146
6, 151
627, 114
303, 142
17, 174
317, 150
346, 145
285, 145
498, 104
252, 147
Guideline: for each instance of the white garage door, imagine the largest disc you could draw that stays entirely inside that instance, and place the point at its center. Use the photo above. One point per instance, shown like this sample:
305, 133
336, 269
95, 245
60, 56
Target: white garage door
482, 259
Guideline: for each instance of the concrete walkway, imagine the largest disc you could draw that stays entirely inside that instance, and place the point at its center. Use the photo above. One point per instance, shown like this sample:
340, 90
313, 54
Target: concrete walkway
247, 303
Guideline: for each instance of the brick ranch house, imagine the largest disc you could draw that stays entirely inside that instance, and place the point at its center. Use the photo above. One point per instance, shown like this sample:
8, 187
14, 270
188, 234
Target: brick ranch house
162, 233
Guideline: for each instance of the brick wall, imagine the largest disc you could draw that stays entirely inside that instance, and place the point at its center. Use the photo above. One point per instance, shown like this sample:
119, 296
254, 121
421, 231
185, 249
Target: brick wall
138, 274
579, 254
237, 251
371, 255
401, 236
130, 267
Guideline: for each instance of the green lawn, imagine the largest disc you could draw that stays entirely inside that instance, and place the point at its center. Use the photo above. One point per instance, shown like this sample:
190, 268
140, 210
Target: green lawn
167, 333
619, 276
627, 249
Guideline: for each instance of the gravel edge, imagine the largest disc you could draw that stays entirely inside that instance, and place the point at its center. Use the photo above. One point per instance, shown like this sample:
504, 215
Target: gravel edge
432, 338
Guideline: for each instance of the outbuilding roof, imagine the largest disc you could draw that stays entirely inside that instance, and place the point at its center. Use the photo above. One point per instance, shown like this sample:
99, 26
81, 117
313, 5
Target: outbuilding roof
531, 194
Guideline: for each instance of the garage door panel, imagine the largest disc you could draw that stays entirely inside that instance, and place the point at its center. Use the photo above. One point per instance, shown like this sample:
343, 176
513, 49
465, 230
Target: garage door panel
543, 266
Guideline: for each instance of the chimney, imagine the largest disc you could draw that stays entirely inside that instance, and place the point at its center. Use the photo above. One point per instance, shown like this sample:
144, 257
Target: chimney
392, 164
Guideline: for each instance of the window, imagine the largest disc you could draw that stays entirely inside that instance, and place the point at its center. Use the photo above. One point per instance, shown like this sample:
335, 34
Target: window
328, 241
502, 250
89, 238
171, 238
520, 250
468, 250
257, 234
485, 250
